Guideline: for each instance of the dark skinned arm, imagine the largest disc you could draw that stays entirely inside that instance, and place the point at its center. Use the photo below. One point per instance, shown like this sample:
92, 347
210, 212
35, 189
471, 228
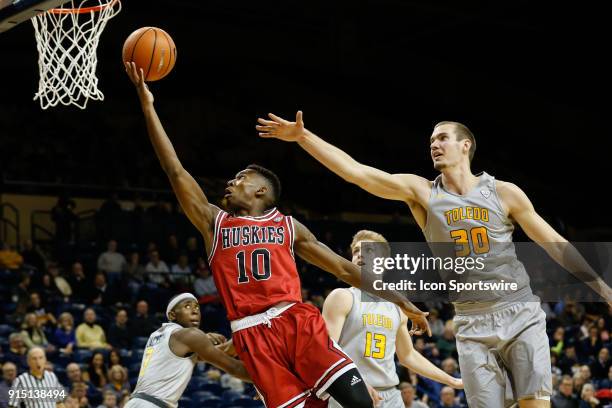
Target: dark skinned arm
316, 253
194, 340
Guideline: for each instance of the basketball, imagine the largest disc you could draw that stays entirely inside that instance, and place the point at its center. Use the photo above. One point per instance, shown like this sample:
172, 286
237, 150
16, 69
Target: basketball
151, 49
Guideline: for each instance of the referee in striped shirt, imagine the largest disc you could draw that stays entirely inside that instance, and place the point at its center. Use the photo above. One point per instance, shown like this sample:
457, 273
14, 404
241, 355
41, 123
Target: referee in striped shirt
37, 388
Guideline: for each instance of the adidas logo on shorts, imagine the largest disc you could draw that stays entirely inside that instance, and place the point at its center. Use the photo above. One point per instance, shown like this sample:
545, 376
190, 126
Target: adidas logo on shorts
355, 380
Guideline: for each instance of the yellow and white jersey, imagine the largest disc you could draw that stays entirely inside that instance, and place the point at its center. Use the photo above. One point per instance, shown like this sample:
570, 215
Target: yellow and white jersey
368, 337
163, 374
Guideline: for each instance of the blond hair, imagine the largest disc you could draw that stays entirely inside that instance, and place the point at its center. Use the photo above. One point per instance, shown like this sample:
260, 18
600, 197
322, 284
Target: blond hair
462, 133
369, 236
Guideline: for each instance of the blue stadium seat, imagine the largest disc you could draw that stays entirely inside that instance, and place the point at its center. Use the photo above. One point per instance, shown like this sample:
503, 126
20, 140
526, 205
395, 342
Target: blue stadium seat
230, 396
136, 356
140, 342
4, 342
6, 329
211, 402
212, 387
199, 396
133, 381
247, 402
196, 384
185, 402
134, 369
82, 355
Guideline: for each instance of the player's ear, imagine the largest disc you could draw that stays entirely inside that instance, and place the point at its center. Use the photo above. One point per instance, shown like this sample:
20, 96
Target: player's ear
261, 191
172, 316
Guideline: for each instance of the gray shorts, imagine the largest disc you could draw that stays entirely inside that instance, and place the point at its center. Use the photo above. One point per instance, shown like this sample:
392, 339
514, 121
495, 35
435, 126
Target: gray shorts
504, 355
391, 398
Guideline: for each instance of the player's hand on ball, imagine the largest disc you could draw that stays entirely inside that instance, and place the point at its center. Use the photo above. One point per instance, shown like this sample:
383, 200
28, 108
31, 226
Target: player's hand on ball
282, 129
137, 78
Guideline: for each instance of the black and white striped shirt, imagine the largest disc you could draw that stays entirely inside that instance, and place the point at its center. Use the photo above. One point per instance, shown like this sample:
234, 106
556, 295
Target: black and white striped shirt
32, 392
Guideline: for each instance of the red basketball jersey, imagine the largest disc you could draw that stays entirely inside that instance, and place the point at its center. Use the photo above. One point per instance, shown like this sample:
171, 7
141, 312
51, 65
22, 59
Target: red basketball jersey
252, 262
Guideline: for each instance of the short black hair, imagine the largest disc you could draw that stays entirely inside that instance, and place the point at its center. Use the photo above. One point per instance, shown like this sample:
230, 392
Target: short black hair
271, 178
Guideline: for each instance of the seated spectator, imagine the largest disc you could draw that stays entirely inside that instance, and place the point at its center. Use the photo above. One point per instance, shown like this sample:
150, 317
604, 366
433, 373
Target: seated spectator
32, 255
157, 270
204, 285
557, 341
114, 358
43, 317
65, 335
607, 382
409, 395
75, 376
96, 371
447, 398
79, 284
585, 373
588, 399
79, 393
112, 262
451, 367
118, 332
17, 352
143, 324
230, 382
49, 291
60, 283
109, 400
181, 270
568, 360
89, 334
590, 346
436, 325
134, 275
193, 252
171, 250
447, 345
33, 335
9, 258
601, 366
20, 294
9, 373
118, 382
102, 294
579, 381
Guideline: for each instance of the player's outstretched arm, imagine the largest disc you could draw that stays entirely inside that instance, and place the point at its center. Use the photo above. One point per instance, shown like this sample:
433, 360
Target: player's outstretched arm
316, 253
187, 190
520, 208
336, 307
403, 187
410, 358
198, 342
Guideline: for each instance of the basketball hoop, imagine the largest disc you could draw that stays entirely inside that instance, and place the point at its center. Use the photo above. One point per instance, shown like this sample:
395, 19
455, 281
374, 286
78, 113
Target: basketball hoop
67, 39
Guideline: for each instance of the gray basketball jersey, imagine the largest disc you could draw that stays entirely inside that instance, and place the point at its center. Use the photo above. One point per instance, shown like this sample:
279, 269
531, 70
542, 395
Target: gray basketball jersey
163, 374
477, 224
368, 337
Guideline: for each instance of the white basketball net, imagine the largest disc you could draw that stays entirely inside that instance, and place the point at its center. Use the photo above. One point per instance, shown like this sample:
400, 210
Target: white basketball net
67, 40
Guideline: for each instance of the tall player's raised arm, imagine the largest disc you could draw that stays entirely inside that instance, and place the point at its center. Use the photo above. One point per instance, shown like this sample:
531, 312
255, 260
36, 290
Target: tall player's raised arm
403, 187
187, 190
316, 253
520, 208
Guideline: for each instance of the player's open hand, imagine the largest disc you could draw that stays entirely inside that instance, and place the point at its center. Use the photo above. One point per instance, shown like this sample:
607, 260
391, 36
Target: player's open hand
137, 77
282, 129
419, 321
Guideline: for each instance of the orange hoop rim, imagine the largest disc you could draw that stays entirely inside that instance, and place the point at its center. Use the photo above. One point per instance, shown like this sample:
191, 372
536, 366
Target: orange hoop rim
83, 10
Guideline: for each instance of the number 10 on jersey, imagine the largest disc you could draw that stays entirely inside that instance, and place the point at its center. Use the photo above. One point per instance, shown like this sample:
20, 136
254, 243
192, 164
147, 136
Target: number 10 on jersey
259, 265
